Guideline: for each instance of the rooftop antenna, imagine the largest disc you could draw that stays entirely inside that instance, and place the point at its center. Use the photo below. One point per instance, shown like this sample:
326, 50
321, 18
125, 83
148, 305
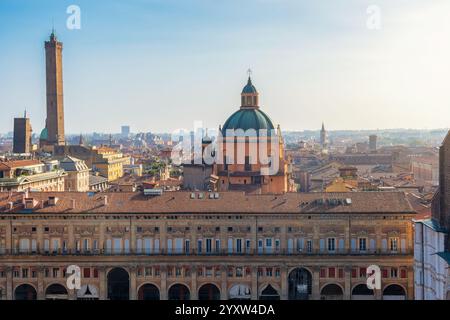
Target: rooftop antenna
25, 113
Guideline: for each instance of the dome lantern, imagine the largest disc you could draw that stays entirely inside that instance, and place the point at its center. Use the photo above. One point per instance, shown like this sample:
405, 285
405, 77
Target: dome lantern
249, 95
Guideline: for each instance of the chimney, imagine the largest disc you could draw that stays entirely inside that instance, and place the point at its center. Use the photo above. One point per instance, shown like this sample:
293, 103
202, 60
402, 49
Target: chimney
72, 204
41, 204
52, 201
105, 200
10, 205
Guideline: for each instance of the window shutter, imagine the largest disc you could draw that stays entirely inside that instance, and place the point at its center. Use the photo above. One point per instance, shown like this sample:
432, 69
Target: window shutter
353, 244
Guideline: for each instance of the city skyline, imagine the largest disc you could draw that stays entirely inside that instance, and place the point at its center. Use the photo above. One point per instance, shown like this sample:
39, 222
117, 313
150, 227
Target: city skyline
301, 82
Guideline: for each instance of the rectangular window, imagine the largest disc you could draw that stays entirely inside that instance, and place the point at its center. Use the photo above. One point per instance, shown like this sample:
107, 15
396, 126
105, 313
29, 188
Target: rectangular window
248, 245
127, 245
199, 246
403, 273
178, 245
393, 244
331, 244
24, 245
277, 245
46, 245
86, 244
169, 246
309, 246
147, 245
108, 246
117, 245
208, 245
187, 246
156, 245
87, 272
290, 245
260, 246
55, 245
138, 245
230, 245
323, 273
341, 245
362, 272
269, 245
394, 272
331, 272
362, 244
300, 243
322, 245
239, 245
217, 245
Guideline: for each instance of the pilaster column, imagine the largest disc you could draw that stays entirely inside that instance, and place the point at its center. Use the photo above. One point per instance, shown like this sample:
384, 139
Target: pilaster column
103, 290
224, 287
132, 238
163, 237
194, 293
316, 283
9, 283
71, 243
378, 237
133, 293
348, 282
254, 282
284, 283
316, 239
410, 286
164, 293
40, 283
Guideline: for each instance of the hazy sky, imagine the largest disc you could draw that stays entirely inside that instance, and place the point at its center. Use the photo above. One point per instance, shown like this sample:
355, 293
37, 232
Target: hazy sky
159, 65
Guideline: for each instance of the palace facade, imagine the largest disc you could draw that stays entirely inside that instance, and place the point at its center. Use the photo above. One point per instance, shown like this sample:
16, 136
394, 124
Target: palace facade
201, 245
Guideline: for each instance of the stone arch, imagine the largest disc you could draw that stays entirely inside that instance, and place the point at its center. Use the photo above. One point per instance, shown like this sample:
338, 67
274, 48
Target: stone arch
394, 291
332, 291
56, 291
299, 284
118, 281
149, 291
209, 291
25, 291
362, 292
179, 291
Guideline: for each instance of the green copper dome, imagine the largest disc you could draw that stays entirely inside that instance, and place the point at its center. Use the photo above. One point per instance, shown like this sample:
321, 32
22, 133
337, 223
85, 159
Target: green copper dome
249, 88
248, 119
44, 134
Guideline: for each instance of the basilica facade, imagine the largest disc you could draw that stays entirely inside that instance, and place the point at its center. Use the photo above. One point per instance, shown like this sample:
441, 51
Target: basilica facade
252, 157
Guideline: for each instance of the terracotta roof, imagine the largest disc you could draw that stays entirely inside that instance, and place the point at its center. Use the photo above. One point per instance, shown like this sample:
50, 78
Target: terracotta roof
227, 202
6, 165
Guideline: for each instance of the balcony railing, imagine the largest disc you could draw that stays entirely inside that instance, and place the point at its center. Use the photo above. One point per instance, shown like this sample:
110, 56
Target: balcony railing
222, 252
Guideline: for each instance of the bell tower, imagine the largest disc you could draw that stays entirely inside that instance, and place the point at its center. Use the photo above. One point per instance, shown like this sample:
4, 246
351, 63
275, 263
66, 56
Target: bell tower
55, 104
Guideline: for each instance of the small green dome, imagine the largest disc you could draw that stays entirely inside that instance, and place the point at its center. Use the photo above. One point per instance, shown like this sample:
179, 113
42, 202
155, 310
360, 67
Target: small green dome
248, 119
44, 134
249, 88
